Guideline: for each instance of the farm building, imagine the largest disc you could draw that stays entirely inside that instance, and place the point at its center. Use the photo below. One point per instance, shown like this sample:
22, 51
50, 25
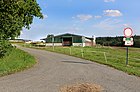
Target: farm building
69, 40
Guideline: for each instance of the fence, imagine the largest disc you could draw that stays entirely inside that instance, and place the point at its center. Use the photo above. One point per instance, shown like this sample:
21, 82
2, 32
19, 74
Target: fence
115, 57
98, 54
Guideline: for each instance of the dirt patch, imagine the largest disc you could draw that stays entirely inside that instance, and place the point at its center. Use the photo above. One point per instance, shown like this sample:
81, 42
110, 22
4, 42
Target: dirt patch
84, 87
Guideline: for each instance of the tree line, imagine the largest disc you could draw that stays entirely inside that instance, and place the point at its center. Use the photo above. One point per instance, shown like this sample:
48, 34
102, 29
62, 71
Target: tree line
117, 41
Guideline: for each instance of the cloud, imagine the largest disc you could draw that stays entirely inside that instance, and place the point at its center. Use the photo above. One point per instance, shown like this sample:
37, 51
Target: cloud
126, 25
45, 16
112, 13
97, 17
73, 29
84, 17
108, 24
109, 1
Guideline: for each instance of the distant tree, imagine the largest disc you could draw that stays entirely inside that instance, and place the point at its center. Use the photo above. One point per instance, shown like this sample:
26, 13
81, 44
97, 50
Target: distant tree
16, 14
110, 41
136, 41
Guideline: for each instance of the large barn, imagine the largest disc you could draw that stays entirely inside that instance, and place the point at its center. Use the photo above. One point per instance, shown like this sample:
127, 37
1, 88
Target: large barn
69, 40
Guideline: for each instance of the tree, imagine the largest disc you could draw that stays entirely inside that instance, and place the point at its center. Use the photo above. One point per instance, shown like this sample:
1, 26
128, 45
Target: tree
16, 14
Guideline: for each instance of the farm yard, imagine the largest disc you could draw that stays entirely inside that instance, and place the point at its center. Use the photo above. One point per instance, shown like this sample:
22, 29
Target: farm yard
111, 56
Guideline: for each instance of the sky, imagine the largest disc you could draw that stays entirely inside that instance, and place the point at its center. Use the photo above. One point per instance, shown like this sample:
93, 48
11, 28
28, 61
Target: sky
85, 17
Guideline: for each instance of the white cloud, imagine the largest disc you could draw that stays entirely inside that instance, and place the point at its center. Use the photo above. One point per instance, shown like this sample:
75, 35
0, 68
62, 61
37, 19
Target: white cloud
45, 16
73, 29
109, 0
112, 13
126, 25
84, 17
97, 17
108, 24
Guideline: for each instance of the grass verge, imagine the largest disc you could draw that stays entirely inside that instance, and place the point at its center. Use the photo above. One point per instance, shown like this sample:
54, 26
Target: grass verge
16, 61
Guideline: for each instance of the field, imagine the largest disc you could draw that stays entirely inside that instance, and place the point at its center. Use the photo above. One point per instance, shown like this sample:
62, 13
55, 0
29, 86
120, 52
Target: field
17, 60
111, 56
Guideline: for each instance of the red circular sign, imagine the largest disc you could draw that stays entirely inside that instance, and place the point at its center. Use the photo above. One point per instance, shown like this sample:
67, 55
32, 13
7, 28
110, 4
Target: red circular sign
128, 32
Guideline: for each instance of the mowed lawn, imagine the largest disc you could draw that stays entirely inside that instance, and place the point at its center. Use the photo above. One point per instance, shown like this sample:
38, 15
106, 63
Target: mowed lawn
16, 60
111, 56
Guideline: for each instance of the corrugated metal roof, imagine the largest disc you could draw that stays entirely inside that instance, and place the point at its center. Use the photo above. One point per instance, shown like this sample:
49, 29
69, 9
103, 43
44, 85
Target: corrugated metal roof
67, 35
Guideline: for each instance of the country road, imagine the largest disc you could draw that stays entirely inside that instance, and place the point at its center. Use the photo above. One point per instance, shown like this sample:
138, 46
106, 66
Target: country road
56, 70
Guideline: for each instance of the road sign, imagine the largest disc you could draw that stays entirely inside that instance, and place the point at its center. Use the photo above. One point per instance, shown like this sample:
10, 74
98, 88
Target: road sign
128, 41
128, 32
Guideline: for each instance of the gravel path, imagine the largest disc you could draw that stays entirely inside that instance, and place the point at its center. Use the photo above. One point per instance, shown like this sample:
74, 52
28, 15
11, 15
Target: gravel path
56, 70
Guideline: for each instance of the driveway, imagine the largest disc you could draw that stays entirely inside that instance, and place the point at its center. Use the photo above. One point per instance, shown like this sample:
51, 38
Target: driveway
56, 70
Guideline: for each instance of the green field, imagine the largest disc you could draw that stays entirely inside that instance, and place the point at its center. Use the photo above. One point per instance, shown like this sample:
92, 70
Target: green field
16, 60
111, 56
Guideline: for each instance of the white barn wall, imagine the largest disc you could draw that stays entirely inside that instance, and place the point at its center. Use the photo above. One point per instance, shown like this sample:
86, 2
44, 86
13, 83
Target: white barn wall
77, 44
55, 44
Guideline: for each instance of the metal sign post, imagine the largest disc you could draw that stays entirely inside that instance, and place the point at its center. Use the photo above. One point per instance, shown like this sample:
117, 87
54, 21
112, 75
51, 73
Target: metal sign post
127, 55
128, 41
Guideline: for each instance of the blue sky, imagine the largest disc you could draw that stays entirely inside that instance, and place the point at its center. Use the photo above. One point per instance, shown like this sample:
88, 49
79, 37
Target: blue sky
85, 17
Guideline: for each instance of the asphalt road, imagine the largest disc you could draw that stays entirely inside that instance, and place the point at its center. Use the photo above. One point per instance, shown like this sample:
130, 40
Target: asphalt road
56, 70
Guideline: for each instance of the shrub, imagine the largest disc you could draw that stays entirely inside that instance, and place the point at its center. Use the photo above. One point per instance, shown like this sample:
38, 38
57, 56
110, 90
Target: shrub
5, 47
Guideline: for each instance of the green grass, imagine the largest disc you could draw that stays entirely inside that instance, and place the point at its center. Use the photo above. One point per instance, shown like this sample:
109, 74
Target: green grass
116, 56
16, 61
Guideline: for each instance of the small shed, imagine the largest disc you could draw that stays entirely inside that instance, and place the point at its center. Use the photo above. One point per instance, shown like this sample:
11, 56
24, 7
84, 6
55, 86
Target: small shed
69, 40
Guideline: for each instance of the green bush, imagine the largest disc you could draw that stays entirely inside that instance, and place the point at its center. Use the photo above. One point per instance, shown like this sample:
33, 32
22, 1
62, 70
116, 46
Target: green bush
5, 47
16, 61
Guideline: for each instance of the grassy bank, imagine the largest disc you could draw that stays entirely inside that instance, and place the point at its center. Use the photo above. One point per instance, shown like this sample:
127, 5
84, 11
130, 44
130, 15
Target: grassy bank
111, 56
17, 60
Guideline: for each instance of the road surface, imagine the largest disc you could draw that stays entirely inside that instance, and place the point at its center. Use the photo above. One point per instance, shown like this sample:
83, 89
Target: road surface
56, 70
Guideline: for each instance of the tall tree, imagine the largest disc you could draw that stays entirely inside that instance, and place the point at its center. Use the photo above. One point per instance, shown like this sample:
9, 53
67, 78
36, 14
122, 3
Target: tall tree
16, 14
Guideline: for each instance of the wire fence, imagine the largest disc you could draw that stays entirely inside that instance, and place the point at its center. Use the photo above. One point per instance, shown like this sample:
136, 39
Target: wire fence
97, 55
112, 56
105, 55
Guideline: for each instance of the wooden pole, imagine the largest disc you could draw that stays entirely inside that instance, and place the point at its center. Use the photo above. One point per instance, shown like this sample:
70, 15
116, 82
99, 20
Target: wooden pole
105, 57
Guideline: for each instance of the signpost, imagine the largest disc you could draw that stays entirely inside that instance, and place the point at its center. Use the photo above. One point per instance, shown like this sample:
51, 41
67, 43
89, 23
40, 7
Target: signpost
128, 40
